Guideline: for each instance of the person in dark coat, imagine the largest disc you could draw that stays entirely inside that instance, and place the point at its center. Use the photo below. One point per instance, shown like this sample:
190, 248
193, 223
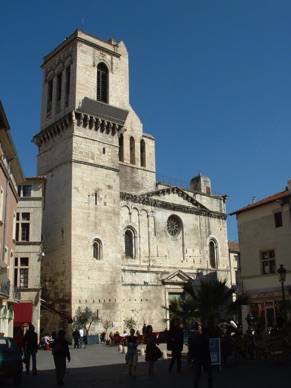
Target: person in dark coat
30, 344
199, 352
175, 342
60, 351
76, 336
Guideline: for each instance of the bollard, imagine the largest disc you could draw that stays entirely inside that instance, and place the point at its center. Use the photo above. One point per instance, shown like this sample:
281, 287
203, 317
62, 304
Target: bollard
120, 348
165, 355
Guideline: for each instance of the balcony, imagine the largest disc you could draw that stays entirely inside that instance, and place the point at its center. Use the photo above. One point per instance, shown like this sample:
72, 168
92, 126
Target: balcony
9, 291
5, 289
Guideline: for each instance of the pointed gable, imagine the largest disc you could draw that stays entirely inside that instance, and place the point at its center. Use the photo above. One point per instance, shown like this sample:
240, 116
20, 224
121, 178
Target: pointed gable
175, 192
177, 277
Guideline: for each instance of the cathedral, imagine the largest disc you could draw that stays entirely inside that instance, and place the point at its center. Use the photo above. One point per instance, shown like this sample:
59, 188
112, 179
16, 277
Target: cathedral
115, 239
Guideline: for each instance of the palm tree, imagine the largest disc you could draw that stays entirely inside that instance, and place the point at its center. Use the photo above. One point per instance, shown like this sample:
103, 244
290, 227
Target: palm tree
206, 303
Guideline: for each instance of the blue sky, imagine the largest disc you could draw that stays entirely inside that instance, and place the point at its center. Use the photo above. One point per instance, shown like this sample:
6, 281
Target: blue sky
210, 80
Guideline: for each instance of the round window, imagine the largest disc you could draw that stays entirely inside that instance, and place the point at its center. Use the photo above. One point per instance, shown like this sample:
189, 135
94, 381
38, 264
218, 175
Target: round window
174, 225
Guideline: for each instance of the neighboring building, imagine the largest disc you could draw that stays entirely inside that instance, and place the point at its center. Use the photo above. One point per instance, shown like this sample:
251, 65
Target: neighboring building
234, 273
264, 231
234, 263
114, 239
11, 176
29, 252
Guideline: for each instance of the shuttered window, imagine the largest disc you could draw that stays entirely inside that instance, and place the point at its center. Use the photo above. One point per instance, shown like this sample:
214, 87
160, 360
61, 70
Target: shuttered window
102, 83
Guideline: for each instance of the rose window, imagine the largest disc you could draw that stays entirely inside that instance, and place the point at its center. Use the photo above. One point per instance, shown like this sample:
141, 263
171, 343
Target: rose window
173, 225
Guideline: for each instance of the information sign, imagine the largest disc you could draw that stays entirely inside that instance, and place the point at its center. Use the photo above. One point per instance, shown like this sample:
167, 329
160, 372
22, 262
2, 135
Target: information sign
215, 352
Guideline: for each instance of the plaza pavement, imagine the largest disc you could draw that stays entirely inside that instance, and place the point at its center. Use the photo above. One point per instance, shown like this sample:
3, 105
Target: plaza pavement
102, 366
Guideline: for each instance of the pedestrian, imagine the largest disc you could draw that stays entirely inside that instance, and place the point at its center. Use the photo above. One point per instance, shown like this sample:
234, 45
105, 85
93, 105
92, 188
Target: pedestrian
54, 334
60, 351
199, 352
175, 343
153, 353
30, 344
144, 329
19, 340
132, 353
76, 336
81, 339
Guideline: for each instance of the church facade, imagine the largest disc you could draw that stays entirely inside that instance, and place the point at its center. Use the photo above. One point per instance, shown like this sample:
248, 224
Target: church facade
114, 238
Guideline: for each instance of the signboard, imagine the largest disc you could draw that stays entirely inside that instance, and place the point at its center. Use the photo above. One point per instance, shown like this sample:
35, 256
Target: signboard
215, 351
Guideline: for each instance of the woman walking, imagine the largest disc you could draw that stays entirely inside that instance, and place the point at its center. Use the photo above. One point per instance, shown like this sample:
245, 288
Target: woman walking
153, 353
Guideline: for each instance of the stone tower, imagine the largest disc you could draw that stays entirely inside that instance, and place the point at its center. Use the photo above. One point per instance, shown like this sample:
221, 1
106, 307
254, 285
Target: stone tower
91, 147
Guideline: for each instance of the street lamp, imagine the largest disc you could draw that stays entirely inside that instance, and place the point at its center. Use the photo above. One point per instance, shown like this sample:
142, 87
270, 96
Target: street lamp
250, 321
282, 277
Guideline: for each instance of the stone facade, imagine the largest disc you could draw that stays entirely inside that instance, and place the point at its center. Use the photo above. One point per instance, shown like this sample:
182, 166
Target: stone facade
114, 239
11, 175
29, 251
264, 240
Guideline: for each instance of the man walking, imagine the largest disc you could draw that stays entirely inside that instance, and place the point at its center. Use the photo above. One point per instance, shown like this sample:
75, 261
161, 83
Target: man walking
30, 344
175, 343
199, 352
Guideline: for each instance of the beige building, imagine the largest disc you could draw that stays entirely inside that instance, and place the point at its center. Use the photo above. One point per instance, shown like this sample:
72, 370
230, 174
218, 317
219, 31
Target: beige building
29, 252
264, 240
114, 239
234, 263
11, 176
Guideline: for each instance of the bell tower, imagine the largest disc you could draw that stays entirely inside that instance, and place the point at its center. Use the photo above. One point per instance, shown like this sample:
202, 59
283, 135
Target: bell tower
91, 149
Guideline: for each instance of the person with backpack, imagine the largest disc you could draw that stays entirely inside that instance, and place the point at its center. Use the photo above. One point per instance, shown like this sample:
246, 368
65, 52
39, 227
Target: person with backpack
60, 351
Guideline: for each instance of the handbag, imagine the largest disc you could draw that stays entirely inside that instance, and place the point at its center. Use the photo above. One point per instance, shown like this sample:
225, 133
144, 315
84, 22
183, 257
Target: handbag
158, 352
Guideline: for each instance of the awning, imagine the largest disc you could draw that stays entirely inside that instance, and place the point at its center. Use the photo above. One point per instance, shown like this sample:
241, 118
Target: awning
23, 314
54, 311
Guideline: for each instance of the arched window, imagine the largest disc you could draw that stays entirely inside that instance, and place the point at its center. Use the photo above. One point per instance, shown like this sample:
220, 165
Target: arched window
97, 249
213, 253
142, 153
129, 243
102, 83
121, 149
132, 150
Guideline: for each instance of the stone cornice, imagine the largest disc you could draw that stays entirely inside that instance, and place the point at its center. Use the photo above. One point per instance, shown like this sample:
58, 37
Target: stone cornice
97, 124
54, 130
85, 120
145, 199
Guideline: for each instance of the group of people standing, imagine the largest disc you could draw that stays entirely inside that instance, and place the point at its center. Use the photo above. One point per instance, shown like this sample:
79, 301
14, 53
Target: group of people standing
78, 336
153, 352
198, 350
28, 346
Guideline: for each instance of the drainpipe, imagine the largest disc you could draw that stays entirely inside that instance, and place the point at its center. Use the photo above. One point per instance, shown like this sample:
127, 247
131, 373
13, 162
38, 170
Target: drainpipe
5, 210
